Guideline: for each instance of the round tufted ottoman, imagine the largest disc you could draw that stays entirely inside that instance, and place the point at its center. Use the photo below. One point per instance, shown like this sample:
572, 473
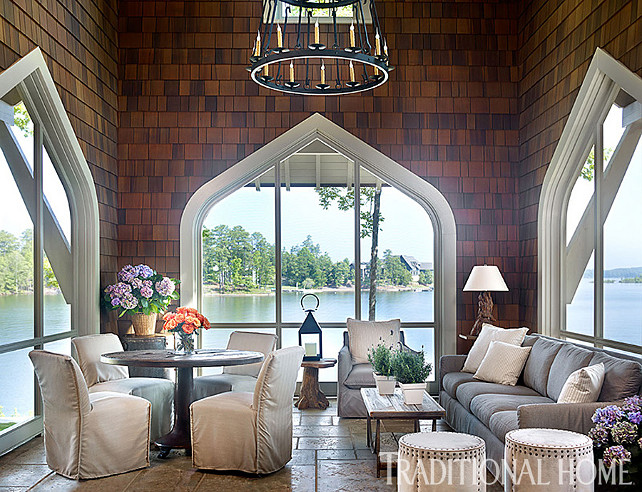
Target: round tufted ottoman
551, 459
441, 461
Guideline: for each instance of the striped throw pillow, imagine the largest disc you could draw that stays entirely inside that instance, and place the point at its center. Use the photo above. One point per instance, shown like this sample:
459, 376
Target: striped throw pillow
583, 385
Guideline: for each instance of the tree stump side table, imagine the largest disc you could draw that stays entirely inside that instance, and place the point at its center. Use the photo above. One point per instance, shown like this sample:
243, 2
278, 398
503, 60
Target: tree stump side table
311, 395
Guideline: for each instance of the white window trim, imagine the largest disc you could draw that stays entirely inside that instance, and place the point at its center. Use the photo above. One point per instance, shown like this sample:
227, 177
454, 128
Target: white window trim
604, 79
317, 127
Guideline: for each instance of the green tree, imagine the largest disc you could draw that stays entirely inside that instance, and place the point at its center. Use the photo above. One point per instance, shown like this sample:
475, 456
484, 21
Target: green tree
22, 119
588, 171
393, 270
426, 277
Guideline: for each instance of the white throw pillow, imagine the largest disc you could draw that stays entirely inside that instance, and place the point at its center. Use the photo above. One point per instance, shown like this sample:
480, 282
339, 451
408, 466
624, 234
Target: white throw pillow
503, 363
514, 336
366, 334
583, 385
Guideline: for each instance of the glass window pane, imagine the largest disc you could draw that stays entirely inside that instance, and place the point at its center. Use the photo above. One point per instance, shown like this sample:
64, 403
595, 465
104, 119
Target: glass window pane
579, 313
404, 246
218, 338
17, 391
581, 195
238, 256
332, 343
56, 196
16, 262
422, 339
23, 131
612, 132
317, 227
57, 312
623, 259
60, 346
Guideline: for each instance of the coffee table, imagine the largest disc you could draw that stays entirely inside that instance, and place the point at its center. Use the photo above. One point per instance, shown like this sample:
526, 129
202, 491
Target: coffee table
391, 407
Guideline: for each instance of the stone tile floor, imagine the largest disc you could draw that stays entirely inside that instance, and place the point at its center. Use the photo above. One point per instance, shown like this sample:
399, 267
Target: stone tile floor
329, 454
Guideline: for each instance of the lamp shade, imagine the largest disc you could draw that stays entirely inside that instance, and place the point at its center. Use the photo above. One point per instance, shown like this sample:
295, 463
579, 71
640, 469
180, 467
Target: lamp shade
485, 278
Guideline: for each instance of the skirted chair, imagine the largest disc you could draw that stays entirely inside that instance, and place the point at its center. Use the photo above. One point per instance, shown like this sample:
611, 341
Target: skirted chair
105, 377
354, 370
89, 435
249, 432
236, 378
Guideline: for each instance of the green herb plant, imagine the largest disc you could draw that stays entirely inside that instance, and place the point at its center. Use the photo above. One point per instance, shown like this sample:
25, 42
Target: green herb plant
381, 359
410, 367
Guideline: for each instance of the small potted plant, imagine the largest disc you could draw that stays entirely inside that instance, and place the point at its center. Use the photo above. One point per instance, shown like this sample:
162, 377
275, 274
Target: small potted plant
381, 359
411, 370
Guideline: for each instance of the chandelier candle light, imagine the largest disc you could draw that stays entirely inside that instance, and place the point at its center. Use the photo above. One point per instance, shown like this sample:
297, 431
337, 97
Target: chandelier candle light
338, 60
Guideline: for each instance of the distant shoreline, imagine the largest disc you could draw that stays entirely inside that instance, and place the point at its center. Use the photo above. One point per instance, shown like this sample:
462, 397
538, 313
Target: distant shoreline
211, 291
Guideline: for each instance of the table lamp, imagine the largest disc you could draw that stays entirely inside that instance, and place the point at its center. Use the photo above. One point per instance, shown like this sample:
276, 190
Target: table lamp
484, 279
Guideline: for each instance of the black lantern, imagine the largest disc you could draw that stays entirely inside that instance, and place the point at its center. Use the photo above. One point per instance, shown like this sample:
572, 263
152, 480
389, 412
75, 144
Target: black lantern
310, 334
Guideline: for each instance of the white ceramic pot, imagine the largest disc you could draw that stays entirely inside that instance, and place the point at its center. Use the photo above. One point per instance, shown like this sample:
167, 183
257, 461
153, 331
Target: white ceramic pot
385, 384
413, 394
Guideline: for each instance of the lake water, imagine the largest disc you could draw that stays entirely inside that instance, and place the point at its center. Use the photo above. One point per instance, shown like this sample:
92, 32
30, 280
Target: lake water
623, 310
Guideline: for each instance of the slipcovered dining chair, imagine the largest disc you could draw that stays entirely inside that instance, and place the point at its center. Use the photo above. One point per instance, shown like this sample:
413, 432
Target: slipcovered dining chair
106, 377
249, 432
89, 435
236, 378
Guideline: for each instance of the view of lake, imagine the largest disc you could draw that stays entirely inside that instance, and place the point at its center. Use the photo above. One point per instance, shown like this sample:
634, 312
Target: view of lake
623, 313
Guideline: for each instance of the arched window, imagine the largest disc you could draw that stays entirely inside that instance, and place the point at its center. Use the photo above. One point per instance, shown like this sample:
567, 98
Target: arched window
589, 229
250, 249
48, 240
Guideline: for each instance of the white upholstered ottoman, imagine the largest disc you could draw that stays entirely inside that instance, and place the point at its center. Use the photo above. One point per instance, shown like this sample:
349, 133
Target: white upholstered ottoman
548, 459
441, 461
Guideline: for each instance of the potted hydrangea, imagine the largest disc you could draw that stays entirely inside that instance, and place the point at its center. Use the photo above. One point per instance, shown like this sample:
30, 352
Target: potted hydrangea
617, 437
381, 359
142, 293
411, 370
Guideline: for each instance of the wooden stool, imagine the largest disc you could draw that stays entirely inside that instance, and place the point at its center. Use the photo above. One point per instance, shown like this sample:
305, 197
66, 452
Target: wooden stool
441, 461
311, 395
563, 460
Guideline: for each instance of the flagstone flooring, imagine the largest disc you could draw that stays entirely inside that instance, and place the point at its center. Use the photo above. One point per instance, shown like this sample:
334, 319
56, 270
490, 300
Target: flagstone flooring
329, 454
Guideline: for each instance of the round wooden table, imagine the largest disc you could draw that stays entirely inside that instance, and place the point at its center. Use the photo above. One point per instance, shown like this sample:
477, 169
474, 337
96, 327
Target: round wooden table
179, 436
311, 395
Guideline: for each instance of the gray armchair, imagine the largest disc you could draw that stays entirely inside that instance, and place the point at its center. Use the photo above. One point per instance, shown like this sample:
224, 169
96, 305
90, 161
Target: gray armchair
351, 378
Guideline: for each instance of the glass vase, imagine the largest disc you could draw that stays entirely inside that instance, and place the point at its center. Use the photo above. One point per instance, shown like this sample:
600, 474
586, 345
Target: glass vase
184, 343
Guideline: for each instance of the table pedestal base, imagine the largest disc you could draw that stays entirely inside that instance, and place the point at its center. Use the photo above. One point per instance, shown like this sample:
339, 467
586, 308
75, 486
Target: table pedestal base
311, 395
179, 437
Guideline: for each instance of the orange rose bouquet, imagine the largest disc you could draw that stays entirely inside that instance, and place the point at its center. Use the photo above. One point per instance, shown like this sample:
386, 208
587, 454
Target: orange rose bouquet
184, 323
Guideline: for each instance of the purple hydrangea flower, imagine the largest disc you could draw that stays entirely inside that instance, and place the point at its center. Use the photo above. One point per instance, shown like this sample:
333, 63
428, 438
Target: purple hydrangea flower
144, 271
632, 404
147, 283
129, 302
616, 455
115, 301
608, 415
136, 283
146, 292
599, 434
640, 442
635, 417
624, 432
165, 287
127, 273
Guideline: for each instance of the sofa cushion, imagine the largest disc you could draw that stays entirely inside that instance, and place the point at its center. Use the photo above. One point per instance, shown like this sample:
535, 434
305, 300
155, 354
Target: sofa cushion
484, 406
622, 377
569, 359
360, 377
539, 363
488, 334
364, 335
503, 363
452, 380
503, 422
467, 391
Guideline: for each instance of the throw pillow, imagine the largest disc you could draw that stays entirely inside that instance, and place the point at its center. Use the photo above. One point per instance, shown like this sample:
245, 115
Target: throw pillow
363, 335
584, 385
488, 333
503, 363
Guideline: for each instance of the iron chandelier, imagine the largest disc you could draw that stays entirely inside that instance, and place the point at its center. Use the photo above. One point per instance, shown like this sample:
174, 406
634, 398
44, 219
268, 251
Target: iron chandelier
294, 53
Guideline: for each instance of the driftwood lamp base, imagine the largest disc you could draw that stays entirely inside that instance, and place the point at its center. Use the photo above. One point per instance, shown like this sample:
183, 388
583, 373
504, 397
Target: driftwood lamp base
484, 313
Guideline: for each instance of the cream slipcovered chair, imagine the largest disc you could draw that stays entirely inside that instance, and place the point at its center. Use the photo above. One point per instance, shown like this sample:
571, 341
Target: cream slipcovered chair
89, 435
249, 432
236, 378
105, 377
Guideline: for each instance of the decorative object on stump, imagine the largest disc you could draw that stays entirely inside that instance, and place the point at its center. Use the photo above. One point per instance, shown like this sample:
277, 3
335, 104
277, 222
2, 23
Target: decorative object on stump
310, 337
617, 439
485, 279
142, 293
411, 370
381, 359
292, 53
185, 323
311, 395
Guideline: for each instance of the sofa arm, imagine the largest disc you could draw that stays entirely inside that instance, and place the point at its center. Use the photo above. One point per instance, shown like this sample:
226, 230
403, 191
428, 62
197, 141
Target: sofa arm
450, 363
344, 364
574, 417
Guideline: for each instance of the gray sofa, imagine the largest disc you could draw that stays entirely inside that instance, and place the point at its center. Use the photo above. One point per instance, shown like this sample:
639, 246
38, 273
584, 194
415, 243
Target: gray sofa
490, 410
351, 378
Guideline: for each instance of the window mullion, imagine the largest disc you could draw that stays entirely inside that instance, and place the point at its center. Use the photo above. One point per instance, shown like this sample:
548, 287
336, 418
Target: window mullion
598, 277
38, 236
277, 252
357, 240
